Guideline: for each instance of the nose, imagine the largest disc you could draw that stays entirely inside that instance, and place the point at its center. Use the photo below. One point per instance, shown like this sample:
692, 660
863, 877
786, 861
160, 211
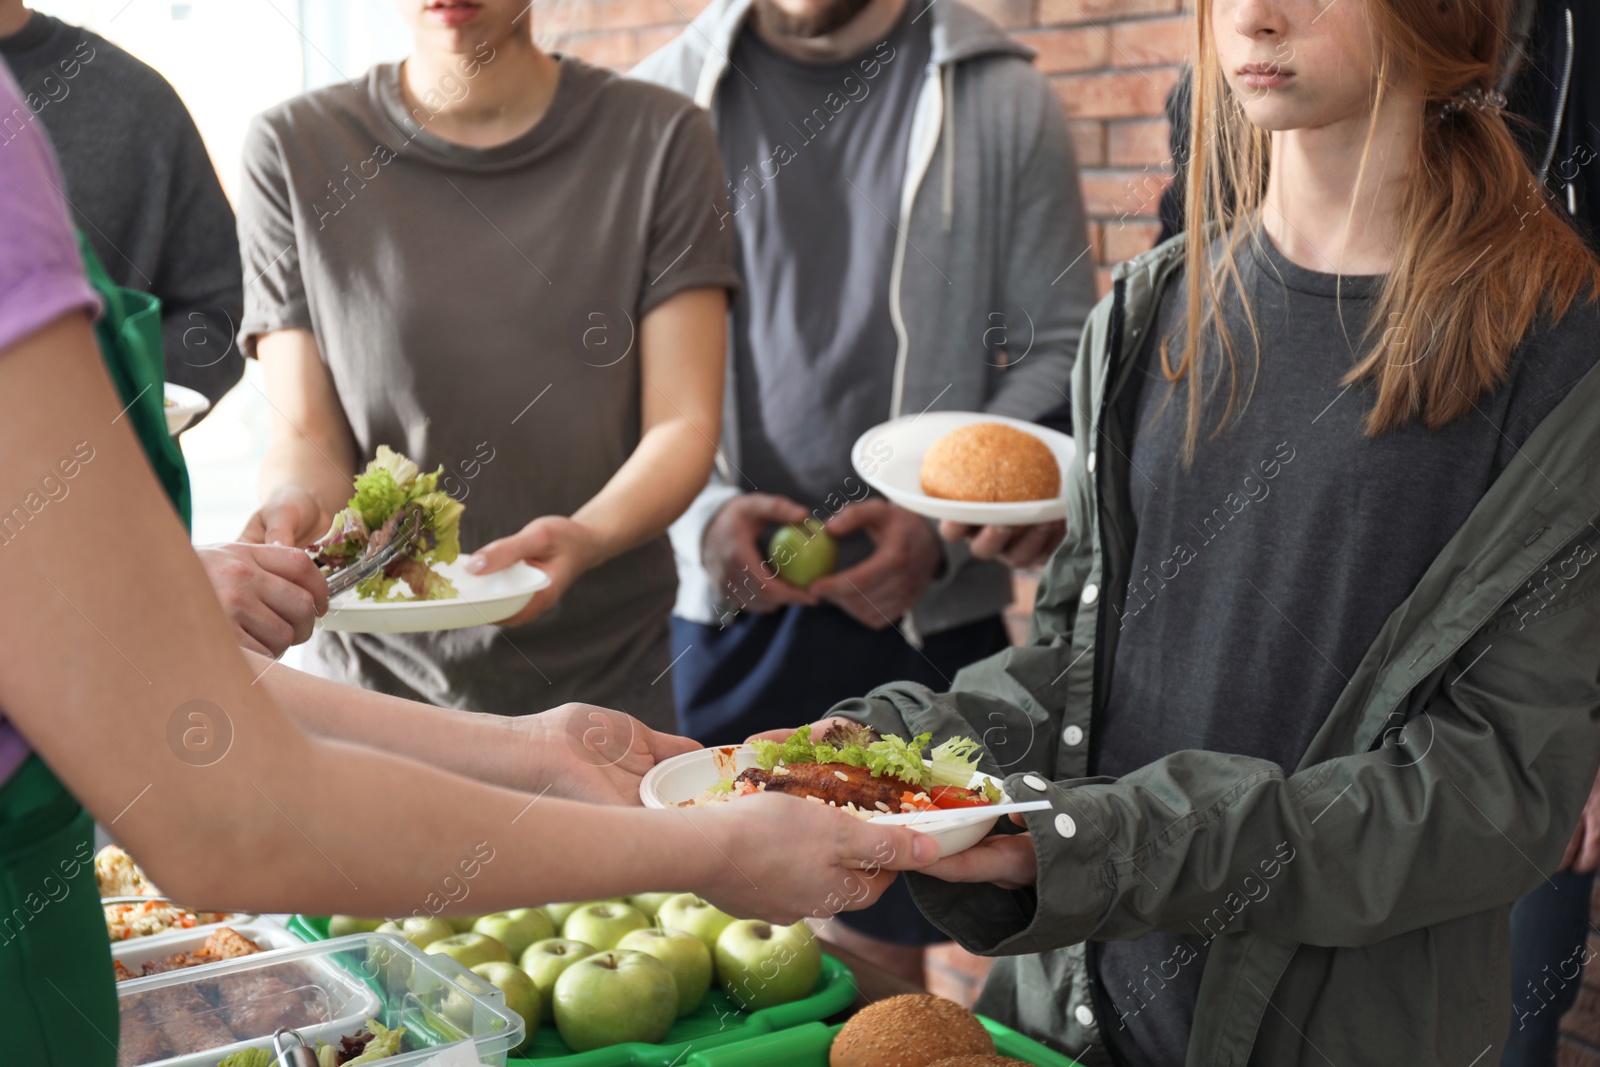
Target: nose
1259, 19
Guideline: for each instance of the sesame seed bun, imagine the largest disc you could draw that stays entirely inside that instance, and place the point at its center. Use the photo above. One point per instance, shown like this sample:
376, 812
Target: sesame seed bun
913, 1030
992, 463
980, 1061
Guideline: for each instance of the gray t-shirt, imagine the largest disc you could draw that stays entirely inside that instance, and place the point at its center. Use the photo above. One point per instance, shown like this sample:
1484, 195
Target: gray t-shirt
1263, 575
479, 309
815, 155
141, 186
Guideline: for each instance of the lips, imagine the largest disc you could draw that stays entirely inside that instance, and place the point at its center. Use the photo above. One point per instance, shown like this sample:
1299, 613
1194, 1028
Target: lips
453, 12
1264, 75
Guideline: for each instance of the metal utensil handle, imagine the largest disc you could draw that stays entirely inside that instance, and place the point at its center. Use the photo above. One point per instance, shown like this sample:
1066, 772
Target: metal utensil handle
403, 528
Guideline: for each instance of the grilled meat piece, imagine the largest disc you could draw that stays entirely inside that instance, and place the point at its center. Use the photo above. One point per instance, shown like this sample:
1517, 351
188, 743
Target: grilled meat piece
257, 1004
122, 973
141, 1040
833, 783
187, 1020
226, 943
175, 962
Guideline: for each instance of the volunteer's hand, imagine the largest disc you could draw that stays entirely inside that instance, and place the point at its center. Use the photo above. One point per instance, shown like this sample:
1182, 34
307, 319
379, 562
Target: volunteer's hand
290, 516
789, 859
272, 594
1018, 546
593, 754
555, 544
1583, 851
880, 589
731, 552
1006, 860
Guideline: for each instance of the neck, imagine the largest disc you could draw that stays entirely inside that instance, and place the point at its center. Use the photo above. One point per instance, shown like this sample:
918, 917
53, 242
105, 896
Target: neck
1314, 210
482, 99
14, 16
854, 37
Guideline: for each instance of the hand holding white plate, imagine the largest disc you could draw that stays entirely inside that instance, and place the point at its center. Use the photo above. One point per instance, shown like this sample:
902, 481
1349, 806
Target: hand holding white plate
683, 778
484, 599
889, 458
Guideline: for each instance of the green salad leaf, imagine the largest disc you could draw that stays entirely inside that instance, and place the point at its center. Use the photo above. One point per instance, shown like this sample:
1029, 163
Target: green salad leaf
893, 756
954, 762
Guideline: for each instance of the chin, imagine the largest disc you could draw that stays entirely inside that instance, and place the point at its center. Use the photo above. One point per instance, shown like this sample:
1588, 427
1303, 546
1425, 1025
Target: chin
1275, 115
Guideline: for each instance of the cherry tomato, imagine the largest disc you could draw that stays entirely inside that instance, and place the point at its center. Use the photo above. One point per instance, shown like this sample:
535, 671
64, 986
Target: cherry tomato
953, 796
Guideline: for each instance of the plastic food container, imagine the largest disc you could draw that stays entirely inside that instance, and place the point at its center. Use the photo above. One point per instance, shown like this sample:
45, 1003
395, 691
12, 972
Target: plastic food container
197, 1016
181, 933
808, 1045
715, 1024
136, 952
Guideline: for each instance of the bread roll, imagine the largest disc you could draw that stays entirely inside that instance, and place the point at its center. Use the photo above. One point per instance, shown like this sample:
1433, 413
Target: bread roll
992, 463
980, 1061
914, 1030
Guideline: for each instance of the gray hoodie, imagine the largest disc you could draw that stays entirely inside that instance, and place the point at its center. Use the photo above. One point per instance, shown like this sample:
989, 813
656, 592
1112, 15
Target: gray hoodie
991, 206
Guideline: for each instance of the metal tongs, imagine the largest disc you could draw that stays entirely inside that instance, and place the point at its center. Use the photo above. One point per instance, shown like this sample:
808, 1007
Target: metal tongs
392, 538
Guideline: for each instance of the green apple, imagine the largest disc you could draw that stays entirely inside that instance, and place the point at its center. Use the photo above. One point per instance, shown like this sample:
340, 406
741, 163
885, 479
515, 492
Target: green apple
471, 949
558, 912
420, 930
522, 996
460, 924
650, 903
760, 965
685, 955
602, 925
692, 915
545, 960
343, 925
516, 929
802, 554
613, 997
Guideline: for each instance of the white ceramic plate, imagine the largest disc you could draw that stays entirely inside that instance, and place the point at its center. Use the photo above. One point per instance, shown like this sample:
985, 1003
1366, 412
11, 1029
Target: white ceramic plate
485, 599
183, 406
889, 458
673, 781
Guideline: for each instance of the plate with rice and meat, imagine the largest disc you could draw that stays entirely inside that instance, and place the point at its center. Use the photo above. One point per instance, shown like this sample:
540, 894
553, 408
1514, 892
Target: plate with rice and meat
849, 767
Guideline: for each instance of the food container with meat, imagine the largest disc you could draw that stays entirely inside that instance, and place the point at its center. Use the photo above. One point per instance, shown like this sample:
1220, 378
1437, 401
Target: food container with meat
145, 956
338, 993
850, 768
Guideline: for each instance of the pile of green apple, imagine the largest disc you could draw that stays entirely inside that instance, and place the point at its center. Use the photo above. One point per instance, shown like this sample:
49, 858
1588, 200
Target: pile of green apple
610, 971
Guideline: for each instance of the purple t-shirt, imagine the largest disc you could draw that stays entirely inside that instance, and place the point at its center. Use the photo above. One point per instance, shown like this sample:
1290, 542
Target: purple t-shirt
41, 276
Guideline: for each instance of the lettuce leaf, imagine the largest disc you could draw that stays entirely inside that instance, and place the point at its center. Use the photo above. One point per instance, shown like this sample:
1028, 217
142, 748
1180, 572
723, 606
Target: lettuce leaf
991, 792
900, 758
378, 496
954, 762
892, 755
442, 535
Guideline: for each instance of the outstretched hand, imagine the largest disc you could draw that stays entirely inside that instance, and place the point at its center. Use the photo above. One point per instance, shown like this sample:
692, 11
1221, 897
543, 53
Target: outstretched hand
593, 754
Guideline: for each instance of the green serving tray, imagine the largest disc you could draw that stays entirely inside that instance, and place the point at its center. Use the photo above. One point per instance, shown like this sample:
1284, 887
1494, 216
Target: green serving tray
807, 1046
716, 1024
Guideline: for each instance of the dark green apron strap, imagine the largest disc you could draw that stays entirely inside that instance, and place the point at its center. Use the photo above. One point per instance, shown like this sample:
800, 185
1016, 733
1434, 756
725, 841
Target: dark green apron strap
129, 332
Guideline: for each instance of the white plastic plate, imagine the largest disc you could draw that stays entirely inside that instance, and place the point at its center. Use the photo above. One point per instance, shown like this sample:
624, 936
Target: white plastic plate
183, 406
673, 781
484, 600
889, 458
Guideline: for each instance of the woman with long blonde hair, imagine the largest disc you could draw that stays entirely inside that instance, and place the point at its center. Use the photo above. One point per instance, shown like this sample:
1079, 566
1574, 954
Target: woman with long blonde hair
1313, 681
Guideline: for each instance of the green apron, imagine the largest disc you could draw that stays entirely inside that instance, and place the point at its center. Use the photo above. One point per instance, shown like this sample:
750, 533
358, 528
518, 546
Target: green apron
57, 993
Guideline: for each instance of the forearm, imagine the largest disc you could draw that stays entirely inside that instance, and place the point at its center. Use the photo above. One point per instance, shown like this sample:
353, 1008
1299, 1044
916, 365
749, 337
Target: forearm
652, 488
323, 469
485, 748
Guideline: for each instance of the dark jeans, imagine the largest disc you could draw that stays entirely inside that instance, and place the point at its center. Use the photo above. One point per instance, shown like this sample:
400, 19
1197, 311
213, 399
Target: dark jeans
787, 668
1549, 946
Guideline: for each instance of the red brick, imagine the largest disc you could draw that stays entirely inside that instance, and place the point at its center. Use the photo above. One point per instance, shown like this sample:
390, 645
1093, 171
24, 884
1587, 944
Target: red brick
1102, 281
1152, 42
1054, 12
1126, 239
1062, 51
1138, 143
1570, 1055
1012, 14
1088, 141
1097, 240
1591, 970
1118, 95
1122, 194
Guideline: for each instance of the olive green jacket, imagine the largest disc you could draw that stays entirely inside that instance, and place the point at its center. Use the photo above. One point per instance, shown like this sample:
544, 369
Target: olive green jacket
1356, 910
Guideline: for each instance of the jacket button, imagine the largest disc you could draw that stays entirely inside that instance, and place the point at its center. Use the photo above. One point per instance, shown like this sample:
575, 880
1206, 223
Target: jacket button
1033, 781
1084, 1015
1065, 826
1072, 735
1091, 593
1090, 463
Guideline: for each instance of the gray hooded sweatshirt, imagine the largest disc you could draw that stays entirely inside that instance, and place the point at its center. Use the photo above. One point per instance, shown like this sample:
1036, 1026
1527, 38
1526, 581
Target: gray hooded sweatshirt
991, 203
